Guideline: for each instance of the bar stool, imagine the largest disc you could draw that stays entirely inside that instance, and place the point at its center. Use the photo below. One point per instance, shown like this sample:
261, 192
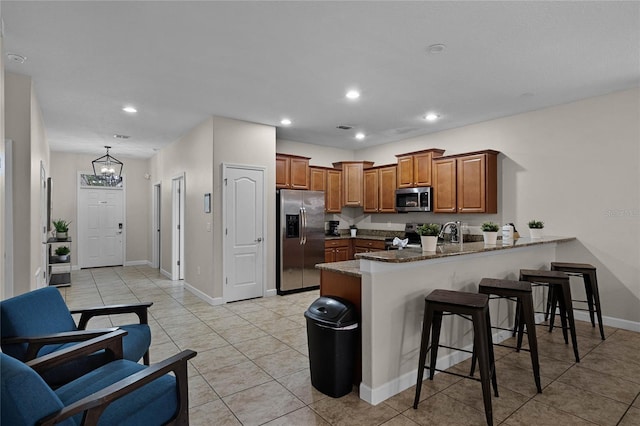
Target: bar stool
588, 274
473, 307
560, 295
519, 292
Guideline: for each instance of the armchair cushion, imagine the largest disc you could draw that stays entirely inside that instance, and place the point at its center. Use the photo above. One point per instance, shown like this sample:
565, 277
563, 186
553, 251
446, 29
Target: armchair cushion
26, 398
152, 404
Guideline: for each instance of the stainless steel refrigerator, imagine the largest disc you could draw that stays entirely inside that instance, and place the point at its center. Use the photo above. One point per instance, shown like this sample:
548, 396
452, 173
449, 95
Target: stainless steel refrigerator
300, 239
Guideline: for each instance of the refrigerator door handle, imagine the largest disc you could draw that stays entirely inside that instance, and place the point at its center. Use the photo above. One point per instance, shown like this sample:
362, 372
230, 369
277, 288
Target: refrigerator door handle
304, 225
301, 227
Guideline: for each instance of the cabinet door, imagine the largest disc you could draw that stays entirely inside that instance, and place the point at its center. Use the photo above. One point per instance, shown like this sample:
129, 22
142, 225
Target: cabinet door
299, 173
352, 184
333, 194
471, 184
370, 201
405, 171
317, 179
387, 189
283, 168
329, 255
342, 254
444, 184
422, 169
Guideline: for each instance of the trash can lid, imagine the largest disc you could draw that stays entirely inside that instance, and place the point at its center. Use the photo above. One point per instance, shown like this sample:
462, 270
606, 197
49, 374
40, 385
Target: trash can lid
332, 311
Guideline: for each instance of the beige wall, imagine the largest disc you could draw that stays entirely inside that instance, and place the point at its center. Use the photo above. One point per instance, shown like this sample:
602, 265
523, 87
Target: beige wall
320, 155
193, 156
64, 181
241, 142
25, 127
574, 166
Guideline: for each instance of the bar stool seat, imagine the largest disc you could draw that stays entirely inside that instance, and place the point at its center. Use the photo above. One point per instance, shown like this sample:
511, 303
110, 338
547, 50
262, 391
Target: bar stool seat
560, 295
588, 274
473, 307
520, 292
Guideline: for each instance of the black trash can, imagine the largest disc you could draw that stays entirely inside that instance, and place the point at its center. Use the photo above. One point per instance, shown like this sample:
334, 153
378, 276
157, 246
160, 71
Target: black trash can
332, 335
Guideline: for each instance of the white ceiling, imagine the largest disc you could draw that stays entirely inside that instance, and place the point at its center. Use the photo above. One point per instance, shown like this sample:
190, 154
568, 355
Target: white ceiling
180, 62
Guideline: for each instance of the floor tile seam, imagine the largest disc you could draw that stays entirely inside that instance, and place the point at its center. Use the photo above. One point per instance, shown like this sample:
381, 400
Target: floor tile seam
566, 412
593, 394
603, 373
276, 352
493, 398
310, 406
628, 408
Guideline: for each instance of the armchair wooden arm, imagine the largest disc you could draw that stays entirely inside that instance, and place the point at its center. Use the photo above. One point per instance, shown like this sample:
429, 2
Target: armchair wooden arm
140, 309
35, 343
95, 404
111, 343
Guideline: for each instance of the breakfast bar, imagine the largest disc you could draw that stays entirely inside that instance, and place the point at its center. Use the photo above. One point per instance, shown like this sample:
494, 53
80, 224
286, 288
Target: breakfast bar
393, 285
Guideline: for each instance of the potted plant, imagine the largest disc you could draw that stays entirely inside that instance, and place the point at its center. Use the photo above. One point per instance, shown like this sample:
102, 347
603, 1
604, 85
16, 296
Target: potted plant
428, 236
353, 229
535, 229
62, 229
490, 232
63, 253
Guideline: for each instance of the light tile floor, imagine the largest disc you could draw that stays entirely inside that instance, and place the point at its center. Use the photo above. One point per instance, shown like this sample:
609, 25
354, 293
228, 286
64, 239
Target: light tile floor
252, 365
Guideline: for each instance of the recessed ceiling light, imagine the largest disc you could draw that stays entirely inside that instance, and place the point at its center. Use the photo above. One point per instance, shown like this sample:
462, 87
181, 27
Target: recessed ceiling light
129, 109
353, 94
360, 136
432, 116
285, 121
435, 49
18, 59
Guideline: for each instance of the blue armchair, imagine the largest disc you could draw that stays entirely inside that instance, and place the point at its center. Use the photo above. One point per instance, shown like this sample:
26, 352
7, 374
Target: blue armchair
121, 392
39, 323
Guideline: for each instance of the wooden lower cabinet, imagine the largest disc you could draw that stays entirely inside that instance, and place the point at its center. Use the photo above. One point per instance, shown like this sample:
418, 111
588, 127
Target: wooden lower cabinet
363, 245
337, 250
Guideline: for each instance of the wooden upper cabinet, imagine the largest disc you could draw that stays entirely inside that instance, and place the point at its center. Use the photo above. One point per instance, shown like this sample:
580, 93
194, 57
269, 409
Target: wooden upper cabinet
353, 181
370, 201
317, 178
466, 183
333, 194
292, 171
380, 189
414, 168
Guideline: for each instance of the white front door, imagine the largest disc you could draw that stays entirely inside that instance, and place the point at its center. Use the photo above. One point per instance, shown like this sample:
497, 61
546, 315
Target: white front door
244, 213
100, 227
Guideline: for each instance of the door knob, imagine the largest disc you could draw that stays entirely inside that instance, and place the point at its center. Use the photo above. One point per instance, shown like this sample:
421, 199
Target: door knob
259, 239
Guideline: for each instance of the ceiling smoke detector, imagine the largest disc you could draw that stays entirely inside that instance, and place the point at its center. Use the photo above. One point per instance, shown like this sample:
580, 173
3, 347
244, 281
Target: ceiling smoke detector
344, 127
116, 136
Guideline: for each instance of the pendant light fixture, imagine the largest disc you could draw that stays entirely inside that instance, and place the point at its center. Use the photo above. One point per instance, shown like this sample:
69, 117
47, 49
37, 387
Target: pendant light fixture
110, 168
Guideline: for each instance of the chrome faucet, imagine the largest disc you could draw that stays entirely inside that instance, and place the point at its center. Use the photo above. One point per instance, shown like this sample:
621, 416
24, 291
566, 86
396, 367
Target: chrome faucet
455, 231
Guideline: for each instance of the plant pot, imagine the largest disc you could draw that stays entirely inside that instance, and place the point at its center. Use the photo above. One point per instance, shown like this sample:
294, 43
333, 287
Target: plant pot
63, 258
353, 232
429, 243
61, 236
490, 238
535, 233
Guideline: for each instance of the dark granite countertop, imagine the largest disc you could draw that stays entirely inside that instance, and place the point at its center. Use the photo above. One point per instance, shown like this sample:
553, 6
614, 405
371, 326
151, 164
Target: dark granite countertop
347, 267
446, 250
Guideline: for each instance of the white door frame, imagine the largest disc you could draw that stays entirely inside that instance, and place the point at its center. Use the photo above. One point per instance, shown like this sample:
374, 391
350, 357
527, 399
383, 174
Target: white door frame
156, 225
8, 219
42, 275
79, 188
225, 255
178, 189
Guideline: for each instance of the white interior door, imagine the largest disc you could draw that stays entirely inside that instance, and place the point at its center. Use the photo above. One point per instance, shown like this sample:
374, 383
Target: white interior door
244, 213
155, 226
100, 227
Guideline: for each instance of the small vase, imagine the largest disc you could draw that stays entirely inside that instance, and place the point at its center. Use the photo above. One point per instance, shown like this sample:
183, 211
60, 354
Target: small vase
429, 243
61, 236
535, 233
490, 238
353, 232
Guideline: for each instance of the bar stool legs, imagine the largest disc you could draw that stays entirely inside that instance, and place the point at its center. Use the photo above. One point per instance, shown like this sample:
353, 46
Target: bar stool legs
476, 307
560, 292
588, 274
520, 292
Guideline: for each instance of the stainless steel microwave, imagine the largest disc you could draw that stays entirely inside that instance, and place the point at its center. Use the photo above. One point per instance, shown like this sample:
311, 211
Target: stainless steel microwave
413, 199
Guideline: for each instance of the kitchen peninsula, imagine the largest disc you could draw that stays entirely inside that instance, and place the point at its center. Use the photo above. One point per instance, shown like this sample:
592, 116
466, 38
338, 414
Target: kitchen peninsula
392, 288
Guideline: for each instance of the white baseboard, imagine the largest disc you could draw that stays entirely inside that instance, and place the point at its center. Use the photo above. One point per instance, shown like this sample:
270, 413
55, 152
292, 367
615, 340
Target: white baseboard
210, 300
165, 273
610, 321
136, 262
